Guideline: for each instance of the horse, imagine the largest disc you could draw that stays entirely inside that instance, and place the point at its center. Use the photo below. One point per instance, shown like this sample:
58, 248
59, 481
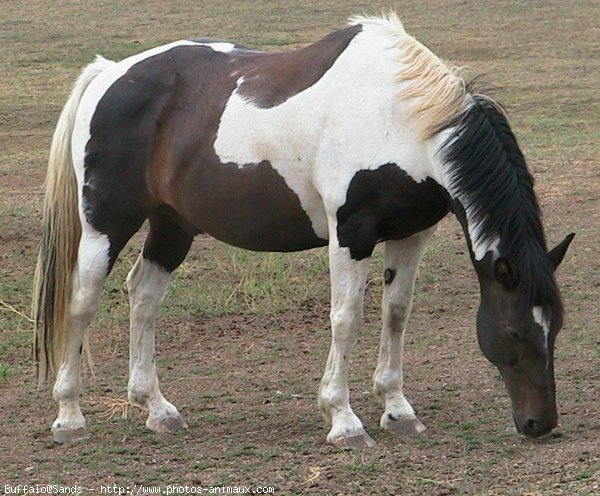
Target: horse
360, 138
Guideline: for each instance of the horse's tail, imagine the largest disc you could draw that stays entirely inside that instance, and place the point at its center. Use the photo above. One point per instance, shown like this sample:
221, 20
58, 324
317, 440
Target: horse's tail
61, 233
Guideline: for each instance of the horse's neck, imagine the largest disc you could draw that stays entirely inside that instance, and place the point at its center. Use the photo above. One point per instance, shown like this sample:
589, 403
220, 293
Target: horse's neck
439, 170
441, 173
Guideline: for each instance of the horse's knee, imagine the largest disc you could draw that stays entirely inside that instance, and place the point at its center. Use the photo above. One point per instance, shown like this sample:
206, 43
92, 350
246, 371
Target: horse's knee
84, 305
346, 318
86, 294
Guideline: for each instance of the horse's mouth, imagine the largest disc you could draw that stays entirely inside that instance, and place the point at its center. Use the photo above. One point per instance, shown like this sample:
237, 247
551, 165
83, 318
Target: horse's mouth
534, 432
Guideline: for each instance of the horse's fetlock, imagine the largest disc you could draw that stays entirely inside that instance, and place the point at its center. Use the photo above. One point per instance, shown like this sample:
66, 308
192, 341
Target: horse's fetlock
386, 383
138, 396
329, 398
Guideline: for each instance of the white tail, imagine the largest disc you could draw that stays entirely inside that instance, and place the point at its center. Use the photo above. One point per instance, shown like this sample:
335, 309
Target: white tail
60, 236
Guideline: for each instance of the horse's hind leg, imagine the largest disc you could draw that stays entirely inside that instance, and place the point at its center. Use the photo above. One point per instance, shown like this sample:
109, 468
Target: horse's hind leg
90, 272
165, 248
401, 262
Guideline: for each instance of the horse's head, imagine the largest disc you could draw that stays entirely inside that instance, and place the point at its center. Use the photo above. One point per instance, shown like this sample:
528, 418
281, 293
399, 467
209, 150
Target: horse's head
519, 340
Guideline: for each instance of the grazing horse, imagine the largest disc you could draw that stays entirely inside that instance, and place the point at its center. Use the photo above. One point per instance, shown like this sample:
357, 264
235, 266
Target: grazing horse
362, 137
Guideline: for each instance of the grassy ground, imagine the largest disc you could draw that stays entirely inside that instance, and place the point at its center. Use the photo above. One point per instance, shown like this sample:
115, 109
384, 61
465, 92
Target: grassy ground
243, 337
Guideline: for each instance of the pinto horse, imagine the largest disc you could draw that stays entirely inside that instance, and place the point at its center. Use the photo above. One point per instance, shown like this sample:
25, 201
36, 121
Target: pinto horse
363, 137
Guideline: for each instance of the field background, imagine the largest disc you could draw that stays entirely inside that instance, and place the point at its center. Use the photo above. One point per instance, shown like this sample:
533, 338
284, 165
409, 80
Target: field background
243, 337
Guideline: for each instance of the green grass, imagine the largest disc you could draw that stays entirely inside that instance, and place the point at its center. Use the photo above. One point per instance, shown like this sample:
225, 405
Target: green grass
247, 283
589, 473
15, 327
247, 450
6, 371
469, 435
237, 282
268, 456
368, 468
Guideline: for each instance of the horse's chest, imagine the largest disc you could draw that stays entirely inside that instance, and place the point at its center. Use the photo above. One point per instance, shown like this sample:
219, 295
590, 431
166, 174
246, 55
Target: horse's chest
386, 203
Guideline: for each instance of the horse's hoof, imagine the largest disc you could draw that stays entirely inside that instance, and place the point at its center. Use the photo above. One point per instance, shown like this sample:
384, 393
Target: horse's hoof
164, 425
63, 435
404, 426
354, 441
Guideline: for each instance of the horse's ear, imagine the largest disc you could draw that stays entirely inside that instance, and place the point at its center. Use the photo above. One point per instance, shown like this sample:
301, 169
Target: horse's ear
557, 253
503, 272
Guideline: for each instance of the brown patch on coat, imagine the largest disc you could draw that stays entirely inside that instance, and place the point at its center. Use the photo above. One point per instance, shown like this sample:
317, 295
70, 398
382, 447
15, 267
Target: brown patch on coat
273, 78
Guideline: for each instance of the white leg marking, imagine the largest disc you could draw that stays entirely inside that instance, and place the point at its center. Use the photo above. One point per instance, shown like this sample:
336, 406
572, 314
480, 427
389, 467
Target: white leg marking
90, 273
348, 280
147, 284
403, 258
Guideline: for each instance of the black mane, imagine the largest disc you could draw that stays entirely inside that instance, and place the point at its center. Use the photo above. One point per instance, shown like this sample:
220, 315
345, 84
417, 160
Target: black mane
491, 180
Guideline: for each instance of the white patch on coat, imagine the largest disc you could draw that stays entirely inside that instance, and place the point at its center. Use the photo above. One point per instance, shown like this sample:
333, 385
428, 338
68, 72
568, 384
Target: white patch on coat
481, 247
89, 275
348, 283
538, 317
219, 46
403, 257
351, 119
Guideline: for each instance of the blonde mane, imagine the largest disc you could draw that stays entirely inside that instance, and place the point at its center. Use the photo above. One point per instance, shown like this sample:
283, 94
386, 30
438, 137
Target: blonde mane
437, 92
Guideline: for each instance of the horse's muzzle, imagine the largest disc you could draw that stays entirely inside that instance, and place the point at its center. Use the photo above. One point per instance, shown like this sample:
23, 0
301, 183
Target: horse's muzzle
535, 427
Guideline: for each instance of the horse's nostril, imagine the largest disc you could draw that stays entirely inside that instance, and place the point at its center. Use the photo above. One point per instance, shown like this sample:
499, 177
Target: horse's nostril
535, 427
531, 426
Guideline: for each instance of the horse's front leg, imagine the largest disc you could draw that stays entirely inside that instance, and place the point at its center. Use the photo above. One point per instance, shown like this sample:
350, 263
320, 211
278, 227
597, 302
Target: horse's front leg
348, 279
401, 262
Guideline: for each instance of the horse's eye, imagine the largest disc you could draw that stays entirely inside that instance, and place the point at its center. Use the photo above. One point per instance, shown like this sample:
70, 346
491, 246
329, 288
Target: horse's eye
514, 334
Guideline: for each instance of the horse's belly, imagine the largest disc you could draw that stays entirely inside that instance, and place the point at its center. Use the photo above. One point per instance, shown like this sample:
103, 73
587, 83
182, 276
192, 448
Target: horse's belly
252, 207
272, 234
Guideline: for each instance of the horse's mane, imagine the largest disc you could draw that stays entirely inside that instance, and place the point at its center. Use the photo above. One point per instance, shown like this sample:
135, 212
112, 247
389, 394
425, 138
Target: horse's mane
435, 89
490, 178
485, 166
